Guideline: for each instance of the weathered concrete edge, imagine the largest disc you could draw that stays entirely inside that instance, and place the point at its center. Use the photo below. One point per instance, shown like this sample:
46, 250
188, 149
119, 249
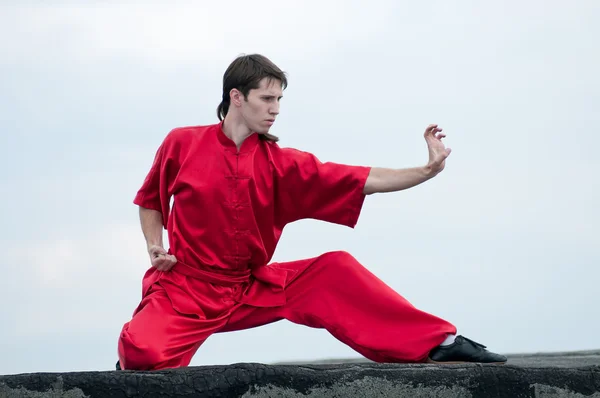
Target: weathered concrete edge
365, 380
568, 359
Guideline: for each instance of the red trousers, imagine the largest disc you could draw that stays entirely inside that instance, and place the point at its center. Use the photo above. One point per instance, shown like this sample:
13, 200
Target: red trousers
332, 291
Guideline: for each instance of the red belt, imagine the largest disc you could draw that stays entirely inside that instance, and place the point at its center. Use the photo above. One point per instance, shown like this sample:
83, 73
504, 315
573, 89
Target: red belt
268, 292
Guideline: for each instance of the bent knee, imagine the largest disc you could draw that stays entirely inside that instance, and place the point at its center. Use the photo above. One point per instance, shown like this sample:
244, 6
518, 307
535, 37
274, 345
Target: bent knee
139, 355
341, 259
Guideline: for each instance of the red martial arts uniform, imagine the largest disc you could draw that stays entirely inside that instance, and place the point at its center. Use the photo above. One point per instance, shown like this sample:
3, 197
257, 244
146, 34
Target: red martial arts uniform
229, 210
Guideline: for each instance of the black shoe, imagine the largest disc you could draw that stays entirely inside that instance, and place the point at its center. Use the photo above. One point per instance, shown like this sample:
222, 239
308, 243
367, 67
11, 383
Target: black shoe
464, 350
118, 365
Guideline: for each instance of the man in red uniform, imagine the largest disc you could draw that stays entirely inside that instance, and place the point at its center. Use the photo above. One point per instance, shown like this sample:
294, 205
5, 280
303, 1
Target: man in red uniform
233, 190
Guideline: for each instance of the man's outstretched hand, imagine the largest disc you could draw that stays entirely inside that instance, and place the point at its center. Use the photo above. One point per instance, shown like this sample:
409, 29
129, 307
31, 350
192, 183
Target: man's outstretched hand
160, 259
437, 151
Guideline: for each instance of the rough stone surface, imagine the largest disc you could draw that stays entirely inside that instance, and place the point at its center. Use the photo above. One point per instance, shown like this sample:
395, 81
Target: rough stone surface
535, 377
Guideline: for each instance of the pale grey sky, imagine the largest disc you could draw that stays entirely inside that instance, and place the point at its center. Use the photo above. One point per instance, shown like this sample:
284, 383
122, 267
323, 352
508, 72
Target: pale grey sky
504, 243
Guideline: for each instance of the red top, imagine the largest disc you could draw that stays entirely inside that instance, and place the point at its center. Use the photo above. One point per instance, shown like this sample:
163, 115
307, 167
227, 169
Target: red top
230, 207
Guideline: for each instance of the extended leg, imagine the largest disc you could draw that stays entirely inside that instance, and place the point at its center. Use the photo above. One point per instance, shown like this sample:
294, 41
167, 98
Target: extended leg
337, 293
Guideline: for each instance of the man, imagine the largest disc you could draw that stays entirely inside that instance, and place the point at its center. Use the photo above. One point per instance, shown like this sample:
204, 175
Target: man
234, 189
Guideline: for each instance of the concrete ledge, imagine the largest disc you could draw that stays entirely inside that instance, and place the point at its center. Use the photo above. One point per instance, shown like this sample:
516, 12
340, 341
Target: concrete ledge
335, 380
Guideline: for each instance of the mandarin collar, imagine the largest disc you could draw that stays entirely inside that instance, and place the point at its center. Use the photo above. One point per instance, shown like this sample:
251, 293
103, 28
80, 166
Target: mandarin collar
248, 145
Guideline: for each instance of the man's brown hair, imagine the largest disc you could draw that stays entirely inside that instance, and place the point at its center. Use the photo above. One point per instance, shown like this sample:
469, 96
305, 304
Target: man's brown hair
245, 73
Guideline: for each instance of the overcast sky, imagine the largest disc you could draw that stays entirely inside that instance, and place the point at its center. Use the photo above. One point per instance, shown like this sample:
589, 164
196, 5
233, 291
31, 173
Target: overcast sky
504, 243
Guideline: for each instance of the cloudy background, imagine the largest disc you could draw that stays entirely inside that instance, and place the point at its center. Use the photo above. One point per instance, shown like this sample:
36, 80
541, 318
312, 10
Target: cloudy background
504, 243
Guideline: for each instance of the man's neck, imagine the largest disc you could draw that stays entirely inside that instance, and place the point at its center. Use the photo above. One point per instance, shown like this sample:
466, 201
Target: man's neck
235, 130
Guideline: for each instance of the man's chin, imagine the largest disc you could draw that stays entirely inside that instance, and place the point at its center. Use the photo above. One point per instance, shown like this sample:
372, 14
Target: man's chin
262, 131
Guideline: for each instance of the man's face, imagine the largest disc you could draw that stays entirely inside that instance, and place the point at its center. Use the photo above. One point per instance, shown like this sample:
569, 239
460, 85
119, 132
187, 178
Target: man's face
262, 106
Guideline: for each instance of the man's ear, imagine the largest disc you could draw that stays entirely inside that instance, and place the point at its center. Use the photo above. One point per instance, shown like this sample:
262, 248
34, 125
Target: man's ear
236, 97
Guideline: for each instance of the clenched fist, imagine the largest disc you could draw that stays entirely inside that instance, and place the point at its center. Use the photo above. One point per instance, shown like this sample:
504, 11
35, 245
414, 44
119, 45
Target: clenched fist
160, 259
